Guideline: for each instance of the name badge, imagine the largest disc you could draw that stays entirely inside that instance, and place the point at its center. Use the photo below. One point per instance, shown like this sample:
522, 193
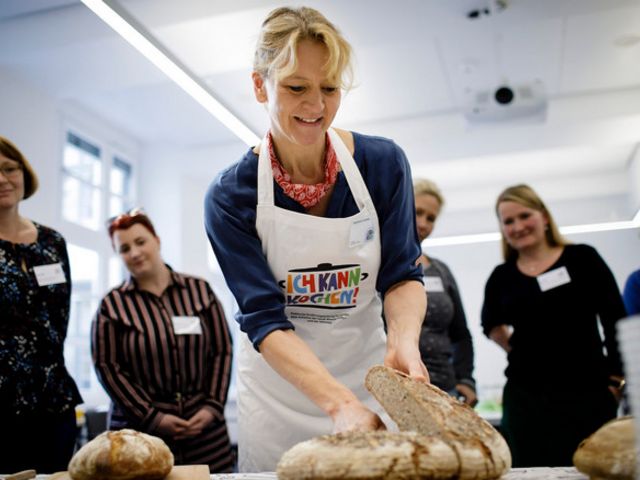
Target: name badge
433, 284
183, 325
49, 274
361, 232
553, 279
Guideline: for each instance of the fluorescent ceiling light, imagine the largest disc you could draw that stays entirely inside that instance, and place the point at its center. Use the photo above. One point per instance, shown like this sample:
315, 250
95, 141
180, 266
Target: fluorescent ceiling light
568, 230
144, 42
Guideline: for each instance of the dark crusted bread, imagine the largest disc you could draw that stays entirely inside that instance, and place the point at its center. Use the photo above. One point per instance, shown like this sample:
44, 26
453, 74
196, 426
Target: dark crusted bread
122, 455
369, 456
423, 408
610, 452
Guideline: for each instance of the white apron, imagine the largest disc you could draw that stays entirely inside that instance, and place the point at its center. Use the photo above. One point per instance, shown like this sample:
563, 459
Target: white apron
327, 268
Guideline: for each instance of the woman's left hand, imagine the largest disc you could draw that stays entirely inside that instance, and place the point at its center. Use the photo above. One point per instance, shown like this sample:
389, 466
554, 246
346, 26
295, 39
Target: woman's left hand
470, 397
616, 385
197, 423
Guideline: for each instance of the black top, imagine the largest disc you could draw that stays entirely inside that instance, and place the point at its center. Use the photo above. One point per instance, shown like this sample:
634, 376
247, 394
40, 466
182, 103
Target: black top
445, 341
33, 327
556, 341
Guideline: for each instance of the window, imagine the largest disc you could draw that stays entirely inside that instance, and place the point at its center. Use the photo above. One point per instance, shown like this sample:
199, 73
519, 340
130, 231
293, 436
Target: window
85, 288
119, 187
82, 176
97, 182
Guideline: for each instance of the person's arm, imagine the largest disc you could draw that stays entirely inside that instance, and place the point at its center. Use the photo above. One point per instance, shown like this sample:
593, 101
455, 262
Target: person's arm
230, 219
294, 361
218, 371
501, 335
610, 310
462, 344
399, 279
494, 325
130, 397
405, 305
631, 295
62, 322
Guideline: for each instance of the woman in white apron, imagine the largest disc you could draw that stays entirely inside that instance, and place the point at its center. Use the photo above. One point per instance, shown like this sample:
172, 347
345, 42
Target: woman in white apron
312, 230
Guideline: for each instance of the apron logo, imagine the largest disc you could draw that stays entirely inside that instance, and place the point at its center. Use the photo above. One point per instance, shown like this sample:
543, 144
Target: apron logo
324, 286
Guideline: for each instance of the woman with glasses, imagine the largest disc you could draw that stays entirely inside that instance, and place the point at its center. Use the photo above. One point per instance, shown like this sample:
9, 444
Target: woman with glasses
37, 395
314, 230
162, 351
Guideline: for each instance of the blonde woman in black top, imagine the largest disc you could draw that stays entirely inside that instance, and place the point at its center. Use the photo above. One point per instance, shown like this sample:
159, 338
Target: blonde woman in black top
542, 306
37, 395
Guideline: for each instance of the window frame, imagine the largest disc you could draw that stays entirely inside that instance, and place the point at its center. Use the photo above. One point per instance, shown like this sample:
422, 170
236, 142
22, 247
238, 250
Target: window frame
111, 144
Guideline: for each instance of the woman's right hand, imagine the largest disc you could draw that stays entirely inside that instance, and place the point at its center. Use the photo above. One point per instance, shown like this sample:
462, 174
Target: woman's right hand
355, 416
170, 426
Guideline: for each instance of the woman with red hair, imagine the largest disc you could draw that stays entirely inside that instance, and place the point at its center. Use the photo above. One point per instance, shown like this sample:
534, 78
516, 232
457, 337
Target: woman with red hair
162, 350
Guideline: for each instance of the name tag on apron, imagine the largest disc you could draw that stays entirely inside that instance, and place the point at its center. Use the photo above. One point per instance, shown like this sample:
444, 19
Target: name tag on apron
183, 325
361, 232
49, 274
433, 284
553, 279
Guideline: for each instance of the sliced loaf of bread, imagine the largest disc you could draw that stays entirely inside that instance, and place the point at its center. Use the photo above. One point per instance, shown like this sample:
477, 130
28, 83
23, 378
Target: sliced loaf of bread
423, 408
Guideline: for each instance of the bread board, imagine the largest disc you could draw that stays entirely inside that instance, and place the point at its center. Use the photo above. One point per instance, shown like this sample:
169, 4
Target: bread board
179, 472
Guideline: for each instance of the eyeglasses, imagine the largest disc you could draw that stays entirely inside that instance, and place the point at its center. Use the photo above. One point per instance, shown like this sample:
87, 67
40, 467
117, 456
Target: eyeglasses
9, 170
134, 212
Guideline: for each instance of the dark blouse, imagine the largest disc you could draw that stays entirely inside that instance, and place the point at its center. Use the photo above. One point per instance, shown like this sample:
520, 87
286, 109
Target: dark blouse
445, 341
33, 327
556, 341
149, 370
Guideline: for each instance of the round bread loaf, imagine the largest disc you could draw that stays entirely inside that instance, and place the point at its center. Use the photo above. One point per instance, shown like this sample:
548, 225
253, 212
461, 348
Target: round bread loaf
426, 409
122, 455
369, 456
609, 453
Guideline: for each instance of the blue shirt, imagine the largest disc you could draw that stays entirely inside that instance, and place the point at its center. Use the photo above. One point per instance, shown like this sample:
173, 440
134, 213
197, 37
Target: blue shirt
631, 295
230, 221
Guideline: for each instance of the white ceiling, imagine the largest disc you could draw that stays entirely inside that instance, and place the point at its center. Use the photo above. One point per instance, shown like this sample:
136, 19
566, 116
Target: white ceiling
419, 64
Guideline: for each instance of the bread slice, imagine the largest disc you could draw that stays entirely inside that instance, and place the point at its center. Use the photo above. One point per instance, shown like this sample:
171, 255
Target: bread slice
369, 456
610, 452
414, 406
122, 455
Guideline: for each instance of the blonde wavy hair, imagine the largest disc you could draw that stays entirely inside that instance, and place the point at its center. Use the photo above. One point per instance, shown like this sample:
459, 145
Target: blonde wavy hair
424, 186
282, 31
526, 196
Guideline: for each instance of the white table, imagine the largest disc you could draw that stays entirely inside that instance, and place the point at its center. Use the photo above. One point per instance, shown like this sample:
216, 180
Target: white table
559, 473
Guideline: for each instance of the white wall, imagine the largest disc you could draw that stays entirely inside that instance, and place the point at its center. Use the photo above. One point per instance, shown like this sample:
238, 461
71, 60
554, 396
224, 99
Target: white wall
30, 119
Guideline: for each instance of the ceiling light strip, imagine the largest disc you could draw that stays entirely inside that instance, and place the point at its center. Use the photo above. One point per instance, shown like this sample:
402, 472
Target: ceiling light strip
143, 41
568, 230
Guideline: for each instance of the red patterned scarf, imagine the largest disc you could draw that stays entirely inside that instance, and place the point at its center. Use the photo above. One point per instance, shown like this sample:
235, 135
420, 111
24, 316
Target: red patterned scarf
305, 195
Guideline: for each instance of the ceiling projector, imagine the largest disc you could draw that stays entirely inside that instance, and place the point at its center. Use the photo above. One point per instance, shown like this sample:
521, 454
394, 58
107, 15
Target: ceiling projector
505, 102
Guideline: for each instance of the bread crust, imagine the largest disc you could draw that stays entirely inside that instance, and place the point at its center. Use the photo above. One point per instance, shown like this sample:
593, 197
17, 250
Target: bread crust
610, 452
122, 455
414, 406
369, 456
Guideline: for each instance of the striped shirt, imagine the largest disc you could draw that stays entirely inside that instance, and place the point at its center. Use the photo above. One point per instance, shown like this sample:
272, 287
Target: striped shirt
148, 370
